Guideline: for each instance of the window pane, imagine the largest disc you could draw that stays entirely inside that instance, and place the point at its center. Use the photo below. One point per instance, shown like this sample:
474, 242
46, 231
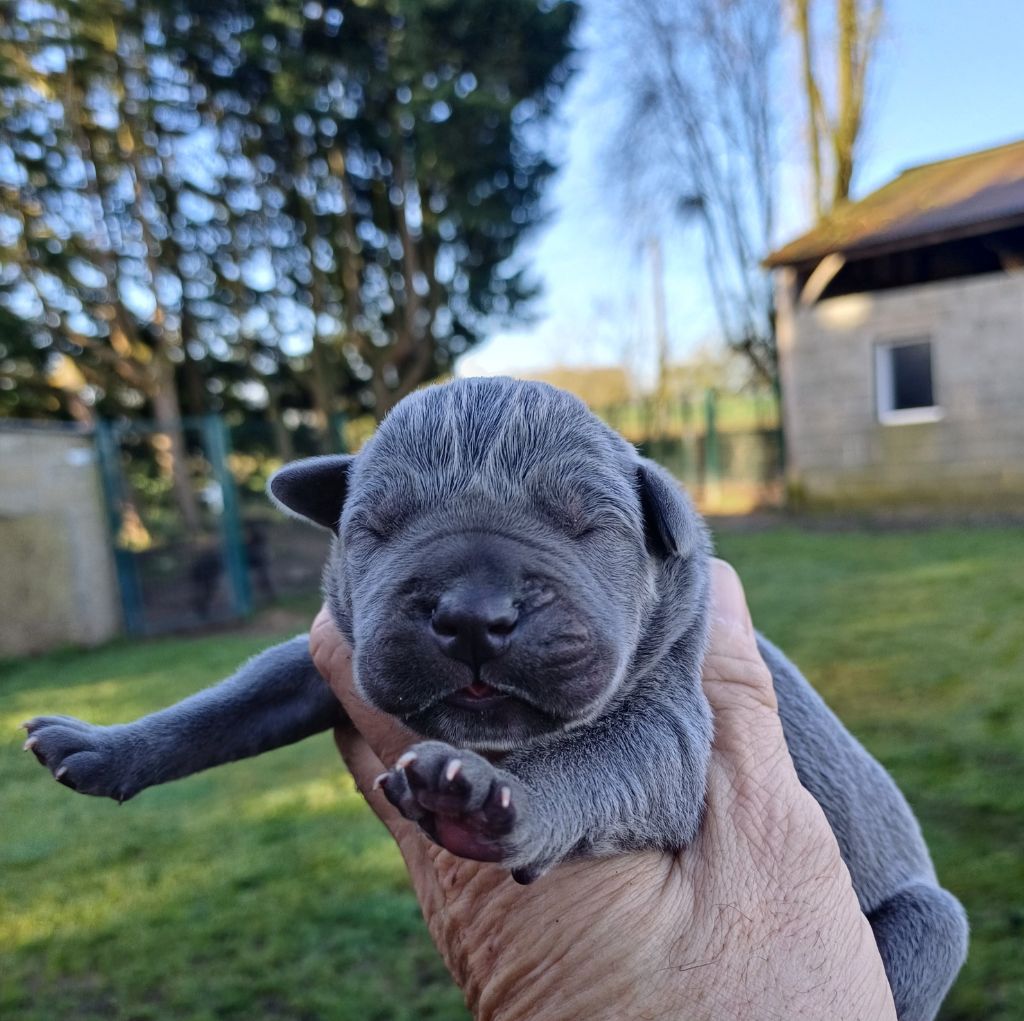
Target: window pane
912, 376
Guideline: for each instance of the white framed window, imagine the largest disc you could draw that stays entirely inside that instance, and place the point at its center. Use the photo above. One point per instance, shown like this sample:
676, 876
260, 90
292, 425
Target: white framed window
905, 383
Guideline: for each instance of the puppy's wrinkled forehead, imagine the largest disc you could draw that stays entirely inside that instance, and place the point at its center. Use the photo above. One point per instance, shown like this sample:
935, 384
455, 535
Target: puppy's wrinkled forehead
503, 438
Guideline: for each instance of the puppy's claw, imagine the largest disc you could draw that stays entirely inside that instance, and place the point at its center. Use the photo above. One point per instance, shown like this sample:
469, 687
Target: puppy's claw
528, 874
60, 773
30, 744
380, 781
406, 760
25, 724
505, 796
453, 769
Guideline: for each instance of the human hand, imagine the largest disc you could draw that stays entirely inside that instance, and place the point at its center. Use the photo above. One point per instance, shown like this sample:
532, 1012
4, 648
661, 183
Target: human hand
756, 919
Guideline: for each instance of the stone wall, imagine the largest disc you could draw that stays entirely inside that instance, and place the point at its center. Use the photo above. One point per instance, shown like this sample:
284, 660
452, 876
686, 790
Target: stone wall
837, 449
58, 583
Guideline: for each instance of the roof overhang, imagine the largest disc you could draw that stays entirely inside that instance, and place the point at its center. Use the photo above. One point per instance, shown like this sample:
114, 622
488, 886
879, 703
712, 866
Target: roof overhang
889, 246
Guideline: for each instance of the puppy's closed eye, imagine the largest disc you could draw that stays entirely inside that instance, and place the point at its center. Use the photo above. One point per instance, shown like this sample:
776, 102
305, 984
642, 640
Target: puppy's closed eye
382, 516
572, 513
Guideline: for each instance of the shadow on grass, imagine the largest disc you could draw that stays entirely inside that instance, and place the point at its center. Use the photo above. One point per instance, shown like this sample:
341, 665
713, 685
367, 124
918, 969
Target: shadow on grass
263, 889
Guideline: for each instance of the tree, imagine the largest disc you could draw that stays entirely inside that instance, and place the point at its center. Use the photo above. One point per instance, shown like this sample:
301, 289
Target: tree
288, 204
695, 143
403, 140
80, 143
833, 135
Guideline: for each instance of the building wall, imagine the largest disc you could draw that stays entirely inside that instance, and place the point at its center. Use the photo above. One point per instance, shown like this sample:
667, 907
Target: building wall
59, 586
838, 452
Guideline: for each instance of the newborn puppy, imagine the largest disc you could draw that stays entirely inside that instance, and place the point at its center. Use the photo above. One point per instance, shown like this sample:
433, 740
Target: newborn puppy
514, 580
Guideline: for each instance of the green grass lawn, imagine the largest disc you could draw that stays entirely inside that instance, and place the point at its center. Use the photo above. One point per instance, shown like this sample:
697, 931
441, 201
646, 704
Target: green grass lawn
917, 642
266, 890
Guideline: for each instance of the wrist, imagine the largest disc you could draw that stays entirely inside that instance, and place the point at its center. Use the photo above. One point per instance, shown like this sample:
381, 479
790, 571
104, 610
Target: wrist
802, 950
801, 975
519, 955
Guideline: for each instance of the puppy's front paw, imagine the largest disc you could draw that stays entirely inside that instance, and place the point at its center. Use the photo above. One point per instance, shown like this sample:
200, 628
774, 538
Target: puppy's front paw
465, 804
87, 758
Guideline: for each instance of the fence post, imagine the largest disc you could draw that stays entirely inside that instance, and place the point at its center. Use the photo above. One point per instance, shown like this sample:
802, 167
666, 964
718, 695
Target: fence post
336, 432
780, 428
216, 442
712, 455
124, 562
712, 459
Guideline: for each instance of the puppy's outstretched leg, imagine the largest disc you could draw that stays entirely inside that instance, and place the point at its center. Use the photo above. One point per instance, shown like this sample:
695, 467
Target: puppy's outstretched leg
921, 933
275, 699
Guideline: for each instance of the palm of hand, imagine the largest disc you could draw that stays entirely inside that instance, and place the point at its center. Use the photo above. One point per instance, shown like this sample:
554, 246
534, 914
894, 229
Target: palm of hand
756, 919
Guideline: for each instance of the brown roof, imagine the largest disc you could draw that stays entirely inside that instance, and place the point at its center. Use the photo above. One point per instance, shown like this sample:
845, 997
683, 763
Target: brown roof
934, 202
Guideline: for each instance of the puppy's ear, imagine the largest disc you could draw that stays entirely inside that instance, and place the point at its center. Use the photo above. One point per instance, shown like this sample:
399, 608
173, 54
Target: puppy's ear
313, 489
673, 527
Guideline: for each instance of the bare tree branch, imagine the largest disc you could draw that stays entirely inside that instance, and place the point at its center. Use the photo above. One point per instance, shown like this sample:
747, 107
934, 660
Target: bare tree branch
832, 138
696, 143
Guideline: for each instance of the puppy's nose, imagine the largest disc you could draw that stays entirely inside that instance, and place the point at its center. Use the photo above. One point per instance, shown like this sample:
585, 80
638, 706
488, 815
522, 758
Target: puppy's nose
473, 626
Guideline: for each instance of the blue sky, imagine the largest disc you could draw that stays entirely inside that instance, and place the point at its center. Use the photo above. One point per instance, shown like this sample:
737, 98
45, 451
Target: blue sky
950, 79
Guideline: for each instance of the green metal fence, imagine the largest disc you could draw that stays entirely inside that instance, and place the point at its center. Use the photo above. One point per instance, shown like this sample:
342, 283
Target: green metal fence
177, 566
194, 538
196, 541
715, 444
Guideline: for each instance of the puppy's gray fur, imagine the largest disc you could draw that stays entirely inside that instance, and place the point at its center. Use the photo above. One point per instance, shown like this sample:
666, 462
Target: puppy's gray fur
598, 734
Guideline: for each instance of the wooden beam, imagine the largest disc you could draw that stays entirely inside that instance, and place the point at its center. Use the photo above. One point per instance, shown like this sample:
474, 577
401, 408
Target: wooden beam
821, 276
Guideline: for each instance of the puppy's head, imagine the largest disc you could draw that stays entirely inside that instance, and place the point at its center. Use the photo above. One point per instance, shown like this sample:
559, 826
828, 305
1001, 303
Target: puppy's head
506, 564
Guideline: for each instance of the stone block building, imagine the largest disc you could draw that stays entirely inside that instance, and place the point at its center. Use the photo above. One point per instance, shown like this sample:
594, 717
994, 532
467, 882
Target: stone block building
901, 341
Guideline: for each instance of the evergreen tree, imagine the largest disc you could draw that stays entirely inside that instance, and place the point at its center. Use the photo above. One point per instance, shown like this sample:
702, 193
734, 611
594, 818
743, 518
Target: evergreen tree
291, 204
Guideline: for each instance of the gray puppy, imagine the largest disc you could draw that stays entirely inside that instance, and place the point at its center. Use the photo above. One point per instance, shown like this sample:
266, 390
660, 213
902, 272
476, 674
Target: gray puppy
515, 580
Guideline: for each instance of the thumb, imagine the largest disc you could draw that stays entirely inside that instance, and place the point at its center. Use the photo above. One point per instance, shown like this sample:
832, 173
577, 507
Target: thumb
365, 767
367, 741
736, 680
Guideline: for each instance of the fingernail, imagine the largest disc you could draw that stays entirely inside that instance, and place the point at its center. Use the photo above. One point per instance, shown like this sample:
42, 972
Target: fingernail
728, 600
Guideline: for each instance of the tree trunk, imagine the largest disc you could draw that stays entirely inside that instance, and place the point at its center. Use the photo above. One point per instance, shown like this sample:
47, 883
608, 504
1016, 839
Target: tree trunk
322, 394
172, 457
322, 381
836, 134
660, 339
815, 110
847, 126
195, 388
282, 437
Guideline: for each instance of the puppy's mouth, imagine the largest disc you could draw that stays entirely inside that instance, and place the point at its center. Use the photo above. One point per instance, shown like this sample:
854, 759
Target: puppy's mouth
477, 695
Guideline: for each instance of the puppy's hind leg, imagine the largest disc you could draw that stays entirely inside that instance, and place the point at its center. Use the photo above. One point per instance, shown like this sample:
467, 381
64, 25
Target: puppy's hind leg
921, 933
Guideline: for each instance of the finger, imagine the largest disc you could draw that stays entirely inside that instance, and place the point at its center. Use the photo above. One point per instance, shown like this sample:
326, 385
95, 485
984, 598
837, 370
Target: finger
384, 734
736, 680
752, 776
728, 599
363, 764
332, 656
733, 663
365, 768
